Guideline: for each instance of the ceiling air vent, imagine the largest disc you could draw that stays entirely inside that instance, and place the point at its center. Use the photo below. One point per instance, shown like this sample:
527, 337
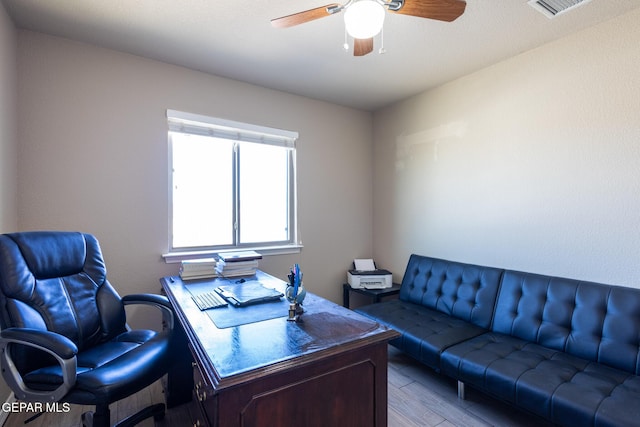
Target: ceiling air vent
553, 8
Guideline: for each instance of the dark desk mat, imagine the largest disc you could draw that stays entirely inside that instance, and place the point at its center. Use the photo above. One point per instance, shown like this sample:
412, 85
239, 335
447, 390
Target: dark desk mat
230, 316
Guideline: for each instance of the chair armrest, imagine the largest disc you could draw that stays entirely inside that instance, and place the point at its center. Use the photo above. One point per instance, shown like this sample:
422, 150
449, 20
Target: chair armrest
59, 346
47, 340
159, 301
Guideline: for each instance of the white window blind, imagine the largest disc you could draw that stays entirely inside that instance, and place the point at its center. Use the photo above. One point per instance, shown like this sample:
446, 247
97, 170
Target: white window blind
232, 184
196, 124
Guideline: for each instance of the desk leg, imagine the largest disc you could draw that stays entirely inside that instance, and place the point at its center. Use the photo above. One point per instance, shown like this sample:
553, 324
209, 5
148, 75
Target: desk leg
345, 295
180, 376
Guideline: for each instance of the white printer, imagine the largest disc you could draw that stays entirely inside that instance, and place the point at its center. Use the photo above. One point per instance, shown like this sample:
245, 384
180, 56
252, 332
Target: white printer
366, 275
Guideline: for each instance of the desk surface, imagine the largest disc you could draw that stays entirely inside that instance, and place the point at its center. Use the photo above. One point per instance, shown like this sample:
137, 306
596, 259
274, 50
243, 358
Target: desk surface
237, 354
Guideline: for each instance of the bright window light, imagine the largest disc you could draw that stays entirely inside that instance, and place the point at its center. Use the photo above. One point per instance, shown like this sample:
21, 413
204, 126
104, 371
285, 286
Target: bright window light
230, 187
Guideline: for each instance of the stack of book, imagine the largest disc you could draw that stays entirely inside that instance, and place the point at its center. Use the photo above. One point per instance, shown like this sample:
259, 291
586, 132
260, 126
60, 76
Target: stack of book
198, 269
234, 264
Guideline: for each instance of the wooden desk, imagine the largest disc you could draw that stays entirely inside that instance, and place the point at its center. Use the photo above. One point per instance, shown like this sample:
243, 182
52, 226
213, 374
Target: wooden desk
330, 370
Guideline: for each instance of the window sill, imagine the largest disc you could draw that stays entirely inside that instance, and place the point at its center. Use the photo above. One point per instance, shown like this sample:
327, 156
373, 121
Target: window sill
174, 257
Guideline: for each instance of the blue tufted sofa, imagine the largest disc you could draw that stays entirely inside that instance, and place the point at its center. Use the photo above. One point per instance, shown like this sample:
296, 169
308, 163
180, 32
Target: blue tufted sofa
566, 350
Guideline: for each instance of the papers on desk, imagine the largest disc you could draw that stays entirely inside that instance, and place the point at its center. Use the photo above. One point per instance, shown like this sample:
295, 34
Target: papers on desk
229, 264
239, 256
248, 293
198, 269
240, 263
236, 269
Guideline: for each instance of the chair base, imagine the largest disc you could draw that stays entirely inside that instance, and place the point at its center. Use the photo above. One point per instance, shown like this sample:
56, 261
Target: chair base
101, 416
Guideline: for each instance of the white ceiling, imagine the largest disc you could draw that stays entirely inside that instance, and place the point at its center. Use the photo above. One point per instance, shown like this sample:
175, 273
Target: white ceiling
235, 39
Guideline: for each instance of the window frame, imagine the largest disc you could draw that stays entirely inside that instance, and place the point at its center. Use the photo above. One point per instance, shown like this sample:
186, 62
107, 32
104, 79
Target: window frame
188, 123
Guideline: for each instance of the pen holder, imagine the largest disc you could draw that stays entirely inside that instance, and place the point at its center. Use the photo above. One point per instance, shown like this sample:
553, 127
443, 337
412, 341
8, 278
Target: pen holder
295, 302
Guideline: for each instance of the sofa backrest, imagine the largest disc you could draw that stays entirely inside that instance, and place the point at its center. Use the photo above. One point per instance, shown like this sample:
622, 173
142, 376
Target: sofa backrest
465, 291
593, 321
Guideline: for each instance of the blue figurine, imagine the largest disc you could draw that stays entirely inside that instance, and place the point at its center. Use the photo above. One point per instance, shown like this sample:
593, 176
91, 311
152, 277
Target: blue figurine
295, 293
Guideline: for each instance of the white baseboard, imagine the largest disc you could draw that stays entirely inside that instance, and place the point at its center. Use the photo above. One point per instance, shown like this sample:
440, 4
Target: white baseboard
4, 415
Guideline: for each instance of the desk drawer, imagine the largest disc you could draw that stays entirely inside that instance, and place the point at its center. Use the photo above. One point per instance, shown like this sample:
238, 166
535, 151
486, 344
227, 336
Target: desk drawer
201, 389
203, 399
198, 417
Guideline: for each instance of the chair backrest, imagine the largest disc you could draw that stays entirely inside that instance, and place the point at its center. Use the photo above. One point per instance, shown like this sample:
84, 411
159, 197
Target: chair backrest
56, 281
465, 291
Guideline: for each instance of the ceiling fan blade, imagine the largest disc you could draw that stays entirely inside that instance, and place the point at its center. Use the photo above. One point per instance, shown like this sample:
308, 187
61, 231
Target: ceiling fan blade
441, 10
302, 17
362, 46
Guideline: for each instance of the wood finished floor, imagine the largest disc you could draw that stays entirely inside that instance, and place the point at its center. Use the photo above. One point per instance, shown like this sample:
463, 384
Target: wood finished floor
418, 397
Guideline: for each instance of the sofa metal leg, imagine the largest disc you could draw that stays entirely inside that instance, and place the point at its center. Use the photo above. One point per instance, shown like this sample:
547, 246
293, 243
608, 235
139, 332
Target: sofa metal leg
460, 390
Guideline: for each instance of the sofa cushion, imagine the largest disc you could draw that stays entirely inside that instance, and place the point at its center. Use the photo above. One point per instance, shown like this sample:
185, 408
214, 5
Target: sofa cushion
555, 385
464, 291
425, 333
592, 321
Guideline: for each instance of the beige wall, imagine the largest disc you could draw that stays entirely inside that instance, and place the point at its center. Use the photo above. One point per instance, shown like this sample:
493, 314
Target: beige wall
8, 124
93, 157
8, 136
530, 164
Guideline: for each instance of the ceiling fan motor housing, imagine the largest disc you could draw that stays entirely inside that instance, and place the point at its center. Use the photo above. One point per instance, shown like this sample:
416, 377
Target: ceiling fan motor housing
364, 19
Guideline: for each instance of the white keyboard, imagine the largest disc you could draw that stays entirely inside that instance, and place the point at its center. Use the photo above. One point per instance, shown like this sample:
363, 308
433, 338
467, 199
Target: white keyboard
209, 300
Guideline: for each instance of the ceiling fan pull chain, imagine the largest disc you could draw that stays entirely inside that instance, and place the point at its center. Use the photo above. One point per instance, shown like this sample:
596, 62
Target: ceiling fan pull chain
382, 50
346, 41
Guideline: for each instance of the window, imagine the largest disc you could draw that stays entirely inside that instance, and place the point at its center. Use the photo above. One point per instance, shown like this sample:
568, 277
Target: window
232, 184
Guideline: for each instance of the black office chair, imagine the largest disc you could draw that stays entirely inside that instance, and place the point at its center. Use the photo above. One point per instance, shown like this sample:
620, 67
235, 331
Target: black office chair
64, 335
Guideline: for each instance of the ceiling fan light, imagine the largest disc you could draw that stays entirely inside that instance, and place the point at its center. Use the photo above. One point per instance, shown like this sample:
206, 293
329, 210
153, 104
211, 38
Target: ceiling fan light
364, 19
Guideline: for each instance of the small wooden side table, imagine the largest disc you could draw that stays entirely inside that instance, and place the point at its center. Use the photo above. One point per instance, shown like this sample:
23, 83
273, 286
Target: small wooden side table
375, 294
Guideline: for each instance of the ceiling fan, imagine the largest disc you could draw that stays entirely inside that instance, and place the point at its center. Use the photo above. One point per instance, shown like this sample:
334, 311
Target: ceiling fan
364, 18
